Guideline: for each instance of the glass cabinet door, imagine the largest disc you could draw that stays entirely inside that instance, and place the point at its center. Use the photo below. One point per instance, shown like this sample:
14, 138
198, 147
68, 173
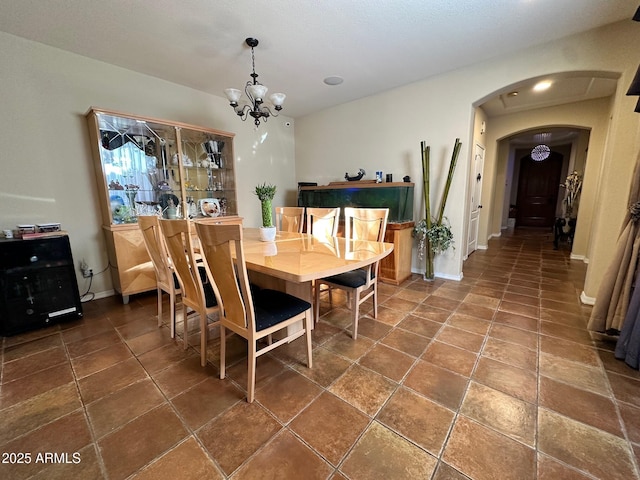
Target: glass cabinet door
140, 166
207, 165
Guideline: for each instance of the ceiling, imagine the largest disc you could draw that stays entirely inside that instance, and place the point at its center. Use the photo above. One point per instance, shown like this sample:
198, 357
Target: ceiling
375, 45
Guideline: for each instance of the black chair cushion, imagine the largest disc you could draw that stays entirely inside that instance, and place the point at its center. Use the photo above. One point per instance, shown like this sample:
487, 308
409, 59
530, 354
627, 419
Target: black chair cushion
272, 307
209, 295
353, 279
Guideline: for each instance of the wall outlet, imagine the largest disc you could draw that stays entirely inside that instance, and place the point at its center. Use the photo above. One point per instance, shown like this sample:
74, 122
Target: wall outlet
86, 271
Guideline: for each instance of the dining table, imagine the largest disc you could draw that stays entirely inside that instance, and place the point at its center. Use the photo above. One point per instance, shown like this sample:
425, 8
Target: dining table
294, 260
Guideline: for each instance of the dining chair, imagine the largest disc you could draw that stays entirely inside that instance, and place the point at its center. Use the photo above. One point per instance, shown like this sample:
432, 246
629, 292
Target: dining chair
247, 310
323, 222
289, 219
369, 224
198, 292
166, 279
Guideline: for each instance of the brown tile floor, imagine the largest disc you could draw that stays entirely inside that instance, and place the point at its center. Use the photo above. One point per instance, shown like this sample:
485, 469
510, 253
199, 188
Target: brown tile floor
493, 377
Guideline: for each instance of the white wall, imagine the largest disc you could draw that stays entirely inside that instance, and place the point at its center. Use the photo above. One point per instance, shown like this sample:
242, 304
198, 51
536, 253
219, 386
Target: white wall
384, 131
47, 172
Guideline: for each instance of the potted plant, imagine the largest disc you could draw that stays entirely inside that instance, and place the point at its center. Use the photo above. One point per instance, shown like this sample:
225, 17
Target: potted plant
265, 194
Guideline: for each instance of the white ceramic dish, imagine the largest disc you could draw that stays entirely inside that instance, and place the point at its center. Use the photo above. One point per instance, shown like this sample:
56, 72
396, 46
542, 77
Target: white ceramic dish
210, 207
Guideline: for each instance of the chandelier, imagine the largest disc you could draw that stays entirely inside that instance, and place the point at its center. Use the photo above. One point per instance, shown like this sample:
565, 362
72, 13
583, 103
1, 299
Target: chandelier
540, 152
255, 92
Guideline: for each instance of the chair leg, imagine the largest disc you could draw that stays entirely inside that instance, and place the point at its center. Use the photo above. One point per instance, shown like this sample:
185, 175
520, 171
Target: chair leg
375, 300
185, 327
356, 312
203, 338
308, 322
316, 303
223, 351
159, 307
251, 373
172, 314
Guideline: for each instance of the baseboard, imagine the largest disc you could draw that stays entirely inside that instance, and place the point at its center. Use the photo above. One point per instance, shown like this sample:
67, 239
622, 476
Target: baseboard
579, 257
96, 296
443, 276
482, 247
494, 235
584, 298
457, 278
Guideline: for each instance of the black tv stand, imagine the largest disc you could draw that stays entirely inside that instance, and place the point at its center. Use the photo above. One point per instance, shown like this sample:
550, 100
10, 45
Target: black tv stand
38, 285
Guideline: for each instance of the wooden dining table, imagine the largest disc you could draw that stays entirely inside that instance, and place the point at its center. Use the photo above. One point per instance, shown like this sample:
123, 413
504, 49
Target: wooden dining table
294, 260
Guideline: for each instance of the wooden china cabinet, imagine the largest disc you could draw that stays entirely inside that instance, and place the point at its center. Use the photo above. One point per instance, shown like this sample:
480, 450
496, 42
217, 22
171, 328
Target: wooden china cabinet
148, 166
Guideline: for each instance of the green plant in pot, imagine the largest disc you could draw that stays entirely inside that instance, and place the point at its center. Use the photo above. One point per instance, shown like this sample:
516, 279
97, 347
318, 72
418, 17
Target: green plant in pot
265, 194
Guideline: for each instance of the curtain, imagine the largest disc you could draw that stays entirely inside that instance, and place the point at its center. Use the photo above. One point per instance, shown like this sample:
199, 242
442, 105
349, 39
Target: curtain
613, 297
628, 345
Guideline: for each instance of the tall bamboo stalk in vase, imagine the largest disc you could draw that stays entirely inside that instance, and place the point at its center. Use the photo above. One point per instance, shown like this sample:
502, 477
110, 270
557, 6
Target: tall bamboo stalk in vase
429, 273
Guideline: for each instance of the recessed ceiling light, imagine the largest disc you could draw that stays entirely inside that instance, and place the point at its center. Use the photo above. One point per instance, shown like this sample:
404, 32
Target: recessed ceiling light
512, 94
335, 80
541, 86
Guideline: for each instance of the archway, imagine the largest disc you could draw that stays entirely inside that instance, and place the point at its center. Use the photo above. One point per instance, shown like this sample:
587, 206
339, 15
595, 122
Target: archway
584, 110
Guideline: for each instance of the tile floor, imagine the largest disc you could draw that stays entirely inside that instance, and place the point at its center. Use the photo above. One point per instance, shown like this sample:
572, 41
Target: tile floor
493, 377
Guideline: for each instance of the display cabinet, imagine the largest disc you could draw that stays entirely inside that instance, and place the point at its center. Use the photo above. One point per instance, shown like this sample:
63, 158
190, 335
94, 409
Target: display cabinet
148, 166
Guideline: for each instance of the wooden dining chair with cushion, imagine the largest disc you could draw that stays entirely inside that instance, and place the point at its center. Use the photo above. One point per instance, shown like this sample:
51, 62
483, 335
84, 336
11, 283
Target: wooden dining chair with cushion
253, 313
166, 279
289, 219
368, 224
198, 291
323, 222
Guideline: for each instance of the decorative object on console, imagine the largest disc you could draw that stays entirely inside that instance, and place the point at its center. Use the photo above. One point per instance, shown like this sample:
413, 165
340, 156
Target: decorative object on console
361, 173
48, 227
265, 194
256, 92
24, 228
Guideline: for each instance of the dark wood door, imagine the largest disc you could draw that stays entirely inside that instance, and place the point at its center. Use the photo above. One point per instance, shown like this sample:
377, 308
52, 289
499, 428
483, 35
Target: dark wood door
538, 187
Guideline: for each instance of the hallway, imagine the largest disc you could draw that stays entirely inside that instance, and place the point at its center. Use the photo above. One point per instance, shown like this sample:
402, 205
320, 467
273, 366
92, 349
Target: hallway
493, 377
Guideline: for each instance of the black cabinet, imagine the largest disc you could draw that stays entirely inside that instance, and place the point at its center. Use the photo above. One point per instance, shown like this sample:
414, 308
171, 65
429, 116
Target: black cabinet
38, 284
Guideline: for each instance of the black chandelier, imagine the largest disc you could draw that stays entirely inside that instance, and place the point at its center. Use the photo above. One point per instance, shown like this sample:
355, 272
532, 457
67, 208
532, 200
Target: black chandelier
255, 92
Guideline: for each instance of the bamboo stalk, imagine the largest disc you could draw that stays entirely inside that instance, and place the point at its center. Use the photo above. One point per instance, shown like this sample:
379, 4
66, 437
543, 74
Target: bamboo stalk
425, 179
429, 273
452, 166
